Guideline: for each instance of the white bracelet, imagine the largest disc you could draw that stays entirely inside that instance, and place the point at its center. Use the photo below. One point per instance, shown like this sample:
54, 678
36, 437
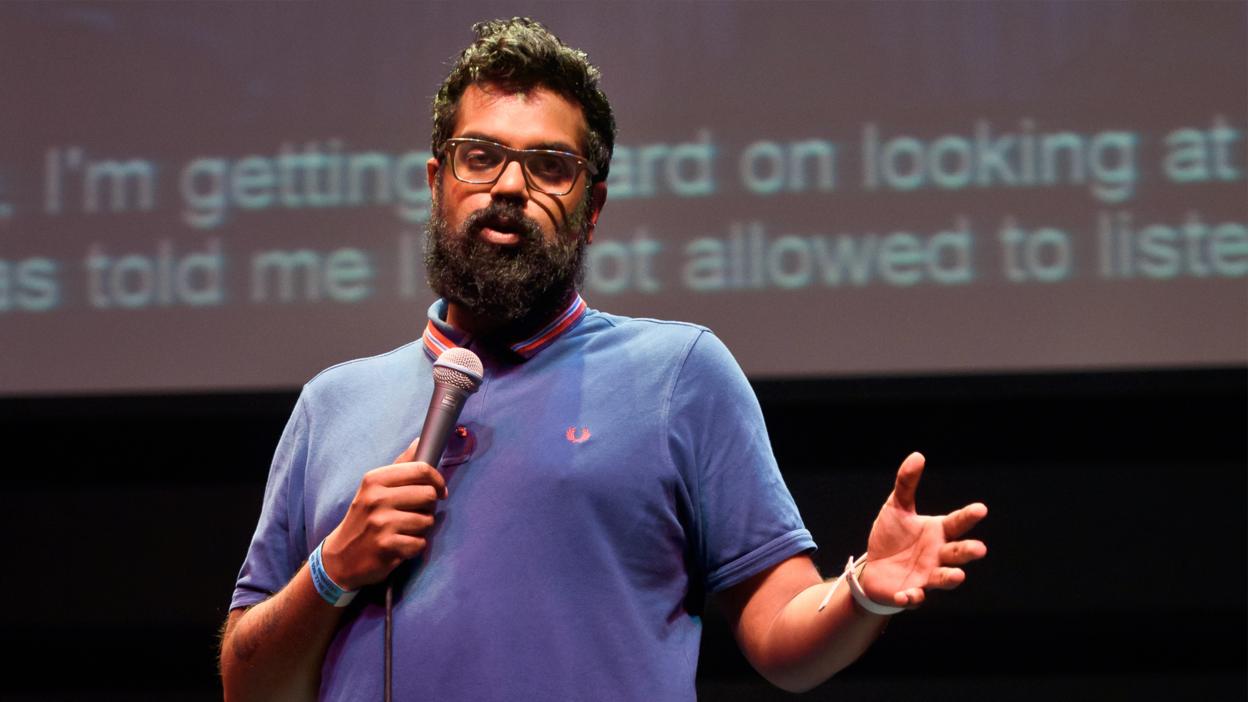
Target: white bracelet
855, 588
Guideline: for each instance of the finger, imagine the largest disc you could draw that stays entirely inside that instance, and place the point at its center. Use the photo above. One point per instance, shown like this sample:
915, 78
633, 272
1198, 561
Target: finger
960, 521
962, 552
946, 578
404, 546
425, 474
909, 598
409, 453
908, 480
410, 474
411, 523
413, 498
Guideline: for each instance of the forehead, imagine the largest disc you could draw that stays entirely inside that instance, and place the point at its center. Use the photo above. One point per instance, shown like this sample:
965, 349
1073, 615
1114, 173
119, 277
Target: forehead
523, 119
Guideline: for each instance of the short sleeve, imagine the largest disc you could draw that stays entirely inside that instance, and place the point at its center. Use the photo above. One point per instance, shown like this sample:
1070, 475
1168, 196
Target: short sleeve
278, 546
745, 518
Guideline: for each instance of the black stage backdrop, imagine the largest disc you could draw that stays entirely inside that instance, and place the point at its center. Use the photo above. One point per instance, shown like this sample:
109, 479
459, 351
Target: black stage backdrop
1116, 534
1013, 236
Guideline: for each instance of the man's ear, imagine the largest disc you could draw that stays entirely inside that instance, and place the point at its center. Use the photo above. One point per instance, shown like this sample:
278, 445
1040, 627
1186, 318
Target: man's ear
431, 172
597, 199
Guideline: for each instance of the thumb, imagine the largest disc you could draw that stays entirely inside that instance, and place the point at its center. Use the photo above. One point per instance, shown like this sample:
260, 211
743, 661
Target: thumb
409, 453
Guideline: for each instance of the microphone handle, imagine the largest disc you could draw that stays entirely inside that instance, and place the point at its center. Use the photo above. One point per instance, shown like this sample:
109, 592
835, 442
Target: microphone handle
444, 408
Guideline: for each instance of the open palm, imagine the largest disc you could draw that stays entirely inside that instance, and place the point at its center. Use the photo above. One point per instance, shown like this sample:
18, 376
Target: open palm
909, 552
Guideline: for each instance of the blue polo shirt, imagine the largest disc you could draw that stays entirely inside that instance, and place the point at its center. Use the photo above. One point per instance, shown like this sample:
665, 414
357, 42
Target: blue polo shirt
608, 474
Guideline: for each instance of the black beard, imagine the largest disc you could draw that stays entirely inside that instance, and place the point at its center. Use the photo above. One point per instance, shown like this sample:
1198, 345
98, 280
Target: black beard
511, 286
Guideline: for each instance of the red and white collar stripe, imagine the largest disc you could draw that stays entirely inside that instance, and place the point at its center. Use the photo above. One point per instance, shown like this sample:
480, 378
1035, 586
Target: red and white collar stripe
438, 335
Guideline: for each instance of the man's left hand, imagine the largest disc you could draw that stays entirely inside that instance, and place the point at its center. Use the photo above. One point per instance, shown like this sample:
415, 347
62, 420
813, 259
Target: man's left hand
909, 552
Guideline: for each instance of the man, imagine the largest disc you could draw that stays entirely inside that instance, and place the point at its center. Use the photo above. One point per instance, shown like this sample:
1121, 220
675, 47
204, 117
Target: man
609, 473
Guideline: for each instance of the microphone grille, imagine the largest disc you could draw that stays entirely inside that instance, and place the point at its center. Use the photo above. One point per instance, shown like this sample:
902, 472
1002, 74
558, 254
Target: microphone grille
460, 368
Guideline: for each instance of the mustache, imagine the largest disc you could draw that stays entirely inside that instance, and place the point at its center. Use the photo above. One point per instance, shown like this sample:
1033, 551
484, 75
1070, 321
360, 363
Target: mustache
504, 217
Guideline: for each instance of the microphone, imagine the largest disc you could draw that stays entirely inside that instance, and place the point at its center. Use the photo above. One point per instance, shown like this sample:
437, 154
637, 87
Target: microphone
456, 375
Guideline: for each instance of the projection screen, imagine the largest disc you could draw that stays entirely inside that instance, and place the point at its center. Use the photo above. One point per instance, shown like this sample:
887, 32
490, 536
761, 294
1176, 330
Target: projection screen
233, 195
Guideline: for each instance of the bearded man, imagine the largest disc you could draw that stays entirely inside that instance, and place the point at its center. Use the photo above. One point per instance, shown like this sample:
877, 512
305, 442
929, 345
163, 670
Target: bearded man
609, 474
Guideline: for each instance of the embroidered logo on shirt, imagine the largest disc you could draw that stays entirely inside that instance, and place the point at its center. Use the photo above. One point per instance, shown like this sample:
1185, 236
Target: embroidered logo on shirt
574, 438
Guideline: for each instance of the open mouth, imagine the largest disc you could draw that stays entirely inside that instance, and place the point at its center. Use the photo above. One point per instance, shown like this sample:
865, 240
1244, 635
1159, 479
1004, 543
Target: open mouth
504, 231
500, 236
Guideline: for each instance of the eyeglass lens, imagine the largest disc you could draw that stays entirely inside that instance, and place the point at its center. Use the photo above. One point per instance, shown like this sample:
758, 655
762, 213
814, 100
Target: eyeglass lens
479, 162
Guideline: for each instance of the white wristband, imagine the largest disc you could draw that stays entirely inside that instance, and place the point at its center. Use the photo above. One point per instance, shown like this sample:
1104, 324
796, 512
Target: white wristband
855, 588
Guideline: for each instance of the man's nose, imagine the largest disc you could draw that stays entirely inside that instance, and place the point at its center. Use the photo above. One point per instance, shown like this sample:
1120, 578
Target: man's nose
511, 183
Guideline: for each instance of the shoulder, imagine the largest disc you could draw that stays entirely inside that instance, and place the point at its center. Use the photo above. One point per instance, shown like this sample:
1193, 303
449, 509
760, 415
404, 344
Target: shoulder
657, 335
370, 376
678, 354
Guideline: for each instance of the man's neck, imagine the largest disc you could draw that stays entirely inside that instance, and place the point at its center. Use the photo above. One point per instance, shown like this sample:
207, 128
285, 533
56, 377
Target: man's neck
494, 331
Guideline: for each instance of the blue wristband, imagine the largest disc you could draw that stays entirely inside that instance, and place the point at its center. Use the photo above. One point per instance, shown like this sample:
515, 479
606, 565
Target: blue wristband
325, 585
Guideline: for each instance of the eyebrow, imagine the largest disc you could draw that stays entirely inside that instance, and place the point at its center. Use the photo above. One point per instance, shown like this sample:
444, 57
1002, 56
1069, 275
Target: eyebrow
547, 145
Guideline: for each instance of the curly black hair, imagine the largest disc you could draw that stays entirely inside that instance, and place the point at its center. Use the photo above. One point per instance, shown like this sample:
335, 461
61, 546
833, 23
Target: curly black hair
521, 54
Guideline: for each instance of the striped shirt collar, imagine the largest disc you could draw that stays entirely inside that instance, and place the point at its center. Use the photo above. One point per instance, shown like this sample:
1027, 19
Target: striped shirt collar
440, 336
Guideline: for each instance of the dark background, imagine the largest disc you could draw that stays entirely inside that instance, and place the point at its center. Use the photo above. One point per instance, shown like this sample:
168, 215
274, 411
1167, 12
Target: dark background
1116, 534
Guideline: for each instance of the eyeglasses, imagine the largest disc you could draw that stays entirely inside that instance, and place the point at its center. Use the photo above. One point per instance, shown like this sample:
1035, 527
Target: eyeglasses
481, 162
